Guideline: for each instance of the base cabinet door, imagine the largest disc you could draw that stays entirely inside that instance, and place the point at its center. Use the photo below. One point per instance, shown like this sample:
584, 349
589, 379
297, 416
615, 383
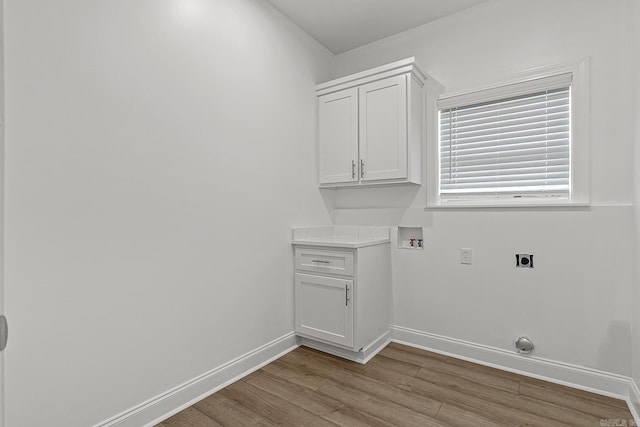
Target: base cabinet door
324, 308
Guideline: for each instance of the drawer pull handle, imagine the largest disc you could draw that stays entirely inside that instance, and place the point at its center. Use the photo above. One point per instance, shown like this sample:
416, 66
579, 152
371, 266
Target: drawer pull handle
353, 169
320, 261
346, 295
361, 168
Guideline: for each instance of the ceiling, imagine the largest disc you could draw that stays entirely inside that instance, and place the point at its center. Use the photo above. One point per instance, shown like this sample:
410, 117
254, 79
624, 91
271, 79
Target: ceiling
342, 25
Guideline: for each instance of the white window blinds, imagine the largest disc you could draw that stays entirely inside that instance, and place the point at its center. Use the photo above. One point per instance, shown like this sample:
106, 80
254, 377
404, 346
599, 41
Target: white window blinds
510, 140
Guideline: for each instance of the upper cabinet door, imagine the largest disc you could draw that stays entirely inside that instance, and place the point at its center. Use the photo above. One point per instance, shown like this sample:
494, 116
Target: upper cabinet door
338, 134
383, 129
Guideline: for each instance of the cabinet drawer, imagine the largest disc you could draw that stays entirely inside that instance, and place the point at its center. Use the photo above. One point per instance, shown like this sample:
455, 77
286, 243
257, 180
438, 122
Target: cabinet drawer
323, 261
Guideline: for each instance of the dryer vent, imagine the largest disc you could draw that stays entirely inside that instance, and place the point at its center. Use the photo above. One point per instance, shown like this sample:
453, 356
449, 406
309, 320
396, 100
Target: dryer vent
524, 345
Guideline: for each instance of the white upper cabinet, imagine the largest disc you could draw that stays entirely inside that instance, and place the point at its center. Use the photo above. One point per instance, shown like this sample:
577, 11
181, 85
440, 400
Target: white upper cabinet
370, 127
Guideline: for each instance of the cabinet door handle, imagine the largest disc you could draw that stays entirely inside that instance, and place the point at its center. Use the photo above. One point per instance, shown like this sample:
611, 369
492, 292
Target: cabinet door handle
353, 169
361, 168
320, 261
346, 295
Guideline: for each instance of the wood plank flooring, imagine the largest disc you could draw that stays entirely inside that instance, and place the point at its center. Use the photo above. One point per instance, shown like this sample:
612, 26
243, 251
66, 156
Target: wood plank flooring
401, 386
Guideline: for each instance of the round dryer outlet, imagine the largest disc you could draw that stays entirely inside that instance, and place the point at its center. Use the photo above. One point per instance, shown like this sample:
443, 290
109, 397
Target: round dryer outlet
524, 345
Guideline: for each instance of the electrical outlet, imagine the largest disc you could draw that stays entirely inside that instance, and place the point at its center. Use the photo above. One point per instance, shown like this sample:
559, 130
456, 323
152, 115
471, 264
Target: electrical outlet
465, 256
524, 260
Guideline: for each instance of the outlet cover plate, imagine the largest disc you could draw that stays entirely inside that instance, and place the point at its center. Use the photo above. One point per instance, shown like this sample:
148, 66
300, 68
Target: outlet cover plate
465, 256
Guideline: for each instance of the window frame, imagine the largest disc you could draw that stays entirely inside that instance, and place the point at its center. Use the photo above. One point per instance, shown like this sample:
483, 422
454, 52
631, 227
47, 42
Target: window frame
580, 146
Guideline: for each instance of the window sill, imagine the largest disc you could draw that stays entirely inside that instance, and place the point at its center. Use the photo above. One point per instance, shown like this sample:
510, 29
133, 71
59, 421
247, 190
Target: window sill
505, 204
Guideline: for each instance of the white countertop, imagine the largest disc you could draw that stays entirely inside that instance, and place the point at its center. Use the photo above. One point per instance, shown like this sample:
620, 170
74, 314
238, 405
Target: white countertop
340, 236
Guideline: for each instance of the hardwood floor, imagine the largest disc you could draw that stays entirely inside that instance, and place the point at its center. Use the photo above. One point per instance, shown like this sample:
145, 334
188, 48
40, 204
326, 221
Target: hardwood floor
401, 386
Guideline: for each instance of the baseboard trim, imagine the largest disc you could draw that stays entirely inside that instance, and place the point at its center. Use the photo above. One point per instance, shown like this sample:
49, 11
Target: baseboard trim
376, 347
163, 406
634, 400
362, 356
579, 377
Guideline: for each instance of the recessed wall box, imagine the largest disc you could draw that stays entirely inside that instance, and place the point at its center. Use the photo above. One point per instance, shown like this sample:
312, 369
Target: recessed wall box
410, 238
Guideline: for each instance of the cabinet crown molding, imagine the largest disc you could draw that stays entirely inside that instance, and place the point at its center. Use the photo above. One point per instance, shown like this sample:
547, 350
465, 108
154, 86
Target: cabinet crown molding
404, 66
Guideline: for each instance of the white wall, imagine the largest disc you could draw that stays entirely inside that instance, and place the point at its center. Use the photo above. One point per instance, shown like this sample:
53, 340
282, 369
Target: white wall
158, 153
636, 136
575, 304
2, 305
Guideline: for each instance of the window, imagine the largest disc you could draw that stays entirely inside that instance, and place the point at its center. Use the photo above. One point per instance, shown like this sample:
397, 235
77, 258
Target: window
522, 143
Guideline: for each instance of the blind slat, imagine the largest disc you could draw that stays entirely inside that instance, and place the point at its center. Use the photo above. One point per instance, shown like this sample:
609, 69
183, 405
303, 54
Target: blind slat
525, 119
498, 151
541, 131
484, 111
535, 164
508, 175
551, 139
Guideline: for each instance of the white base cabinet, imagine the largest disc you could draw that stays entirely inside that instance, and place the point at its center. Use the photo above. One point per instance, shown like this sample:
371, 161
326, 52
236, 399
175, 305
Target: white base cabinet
342, 298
